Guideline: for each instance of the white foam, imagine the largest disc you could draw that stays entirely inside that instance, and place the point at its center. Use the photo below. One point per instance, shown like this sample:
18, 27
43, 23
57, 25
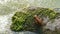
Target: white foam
5, 22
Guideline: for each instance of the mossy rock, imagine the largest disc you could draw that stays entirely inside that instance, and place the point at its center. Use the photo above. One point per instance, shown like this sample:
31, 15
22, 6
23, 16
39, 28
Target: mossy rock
18, 20
24, 21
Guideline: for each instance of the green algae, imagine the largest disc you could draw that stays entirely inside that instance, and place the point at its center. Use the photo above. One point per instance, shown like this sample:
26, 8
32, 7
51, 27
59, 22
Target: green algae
24, 21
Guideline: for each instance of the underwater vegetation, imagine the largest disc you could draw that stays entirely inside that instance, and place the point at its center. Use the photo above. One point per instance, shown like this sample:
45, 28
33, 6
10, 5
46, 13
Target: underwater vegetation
24, 21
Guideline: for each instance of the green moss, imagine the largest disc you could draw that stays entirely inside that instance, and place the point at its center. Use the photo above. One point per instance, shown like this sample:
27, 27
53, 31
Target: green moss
18, 21
43, 12
25, 21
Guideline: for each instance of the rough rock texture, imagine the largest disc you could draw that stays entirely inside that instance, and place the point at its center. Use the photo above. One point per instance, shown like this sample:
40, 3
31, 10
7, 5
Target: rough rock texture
24, 21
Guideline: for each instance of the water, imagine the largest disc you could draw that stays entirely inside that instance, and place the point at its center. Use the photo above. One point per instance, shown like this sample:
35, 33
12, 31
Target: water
5, 15
5, 22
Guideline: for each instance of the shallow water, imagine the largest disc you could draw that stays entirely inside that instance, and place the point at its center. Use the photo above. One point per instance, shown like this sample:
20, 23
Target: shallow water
5, 22
5, 19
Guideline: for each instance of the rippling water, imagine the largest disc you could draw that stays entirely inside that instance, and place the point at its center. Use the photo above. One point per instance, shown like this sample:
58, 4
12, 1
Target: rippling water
5, 15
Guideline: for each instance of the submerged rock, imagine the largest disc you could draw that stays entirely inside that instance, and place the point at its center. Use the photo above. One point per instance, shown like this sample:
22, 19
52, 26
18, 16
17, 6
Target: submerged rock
24, 21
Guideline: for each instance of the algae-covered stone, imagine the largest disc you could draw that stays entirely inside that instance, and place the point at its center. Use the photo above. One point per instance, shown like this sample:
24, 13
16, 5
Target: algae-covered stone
18, 21
46, 12
24, 21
